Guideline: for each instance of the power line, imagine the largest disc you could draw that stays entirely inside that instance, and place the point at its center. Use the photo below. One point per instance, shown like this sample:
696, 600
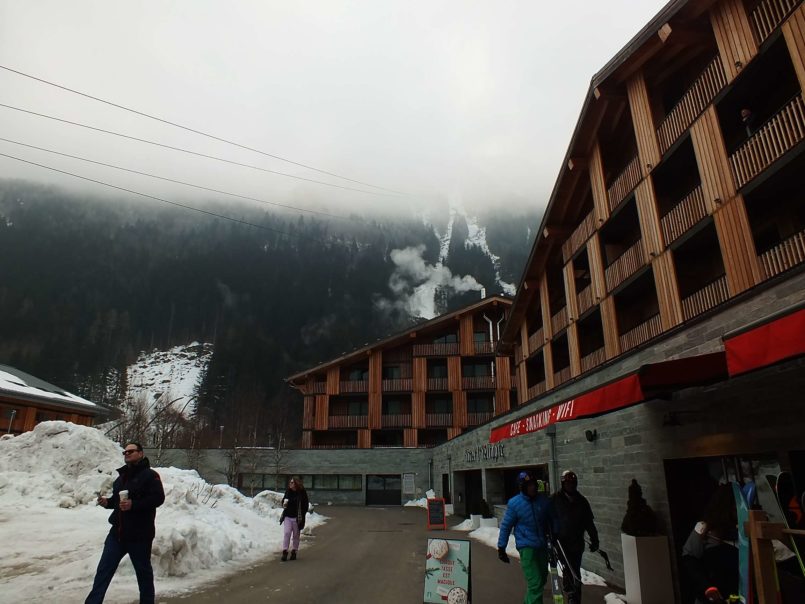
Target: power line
190, 152
180, 182
193, 130
160, 199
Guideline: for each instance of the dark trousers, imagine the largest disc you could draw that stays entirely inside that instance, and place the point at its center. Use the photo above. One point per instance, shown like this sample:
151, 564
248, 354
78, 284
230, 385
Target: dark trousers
113, 552
571, 585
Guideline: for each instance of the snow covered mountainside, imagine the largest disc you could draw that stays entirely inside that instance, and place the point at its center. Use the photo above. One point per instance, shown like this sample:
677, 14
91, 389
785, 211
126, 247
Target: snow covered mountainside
53, 531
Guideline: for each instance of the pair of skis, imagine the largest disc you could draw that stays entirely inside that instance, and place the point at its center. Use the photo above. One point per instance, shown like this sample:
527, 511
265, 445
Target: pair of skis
555, 551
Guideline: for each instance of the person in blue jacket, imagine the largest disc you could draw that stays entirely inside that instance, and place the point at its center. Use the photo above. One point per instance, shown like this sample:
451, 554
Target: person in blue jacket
530, 515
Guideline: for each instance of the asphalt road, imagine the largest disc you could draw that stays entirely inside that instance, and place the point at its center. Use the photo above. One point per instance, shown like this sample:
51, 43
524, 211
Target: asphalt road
366, 556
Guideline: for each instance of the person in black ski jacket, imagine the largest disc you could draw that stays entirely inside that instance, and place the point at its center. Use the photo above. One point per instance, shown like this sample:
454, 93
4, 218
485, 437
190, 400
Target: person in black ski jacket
295, 505
575, 518
132, 521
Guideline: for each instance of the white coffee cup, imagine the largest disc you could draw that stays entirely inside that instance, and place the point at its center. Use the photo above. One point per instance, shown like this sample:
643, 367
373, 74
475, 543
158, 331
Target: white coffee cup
285, 503
124, 495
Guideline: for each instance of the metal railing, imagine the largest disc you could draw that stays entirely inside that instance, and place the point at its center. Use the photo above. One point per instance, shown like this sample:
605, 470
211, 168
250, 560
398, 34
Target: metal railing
784, 255
624, 183
712, 294
688, 212
626, 265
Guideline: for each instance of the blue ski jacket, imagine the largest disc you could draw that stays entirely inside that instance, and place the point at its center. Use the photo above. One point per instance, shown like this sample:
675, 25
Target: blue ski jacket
530, 519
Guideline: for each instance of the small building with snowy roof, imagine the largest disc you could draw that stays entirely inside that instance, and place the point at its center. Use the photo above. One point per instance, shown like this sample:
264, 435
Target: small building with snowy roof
26, 400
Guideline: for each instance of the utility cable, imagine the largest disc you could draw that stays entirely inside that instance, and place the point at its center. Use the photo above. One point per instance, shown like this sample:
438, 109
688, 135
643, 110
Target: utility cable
160, 199
190, 152
193, 130
180, 182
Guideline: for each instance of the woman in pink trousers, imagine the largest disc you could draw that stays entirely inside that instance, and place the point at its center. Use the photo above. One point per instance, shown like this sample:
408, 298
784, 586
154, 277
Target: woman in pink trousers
295, 505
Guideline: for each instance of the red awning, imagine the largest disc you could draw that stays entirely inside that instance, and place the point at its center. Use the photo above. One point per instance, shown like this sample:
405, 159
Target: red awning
774, 341
647, 382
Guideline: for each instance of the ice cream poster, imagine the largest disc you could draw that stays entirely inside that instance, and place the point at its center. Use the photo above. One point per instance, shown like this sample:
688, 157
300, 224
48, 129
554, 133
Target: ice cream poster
447, 571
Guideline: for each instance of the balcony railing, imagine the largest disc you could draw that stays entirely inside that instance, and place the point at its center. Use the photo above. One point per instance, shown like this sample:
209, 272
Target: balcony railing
398, 385
353, 386
395, 420
624, 183
579, 236
477, 382
561, 376
626, 265
594, 359
484, 347
688, 212
536, 341
779, 134
768, 15
348, 421
439, 383
710, 295
436, 350
535, 390
784, 256
317, 388
476, 419
334, 446
642, 333
438, 419
559, 320
693, 102
585, 299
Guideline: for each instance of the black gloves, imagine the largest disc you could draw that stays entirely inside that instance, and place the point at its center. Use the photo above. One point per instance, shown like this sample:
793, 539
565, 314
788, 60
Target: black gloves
504, 557
594, 545
282, 518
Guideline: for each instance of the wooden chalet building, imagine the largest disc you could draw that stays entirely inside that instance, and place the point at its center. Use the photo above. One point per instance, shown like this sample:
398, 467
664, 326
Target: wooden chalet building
418, 388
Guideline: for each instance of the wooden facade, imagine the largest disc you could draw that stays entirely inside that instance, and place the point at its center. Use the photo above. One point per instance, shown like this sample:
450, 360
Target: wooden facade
422, 386
698, 175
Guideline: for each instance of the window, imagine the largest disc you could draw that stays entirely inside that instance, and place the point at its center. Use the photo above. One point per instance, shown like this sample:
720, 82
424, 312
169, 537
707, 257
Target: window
477, 370
481, 336
349, 482
358, 375
479, 404
394, 406
450, 338
437, 370
327, 482
439, 405
358, 408
392, 372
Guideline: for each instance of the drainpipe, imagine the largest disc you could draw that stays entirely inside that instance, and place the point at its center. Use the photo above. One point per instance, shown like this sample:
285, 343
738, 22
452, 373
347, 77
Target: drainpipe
502, 317
553, 476
430, 473
491, 340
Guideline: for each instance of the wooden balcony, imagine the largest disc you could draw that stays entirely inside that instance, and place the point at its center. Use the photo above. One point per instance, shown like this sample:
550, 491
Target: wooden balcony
536, 341
335, 446
476, 419
585, 299
317, 388
484, 348
354, 386
710, 295
561, 376
784, 256
559, 320
579, 236
514, 382
695, 100
535, 390
436, 350
437, 383
624, 183
348, 421
768, 15
479, 382
777, 136
395, 420
684, 215
435, 420
642, 333
398, 385
594, 359
626, 265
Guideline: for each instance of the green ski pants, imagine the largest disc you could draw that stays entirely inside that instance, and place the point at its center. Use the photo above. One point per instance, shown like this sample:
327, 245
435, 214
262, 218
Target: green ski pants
535, 568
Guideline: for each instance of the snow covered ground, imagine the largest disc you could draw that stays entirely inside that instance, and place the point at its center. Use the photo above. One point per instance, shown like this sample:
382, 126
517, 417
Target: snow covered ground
52, 531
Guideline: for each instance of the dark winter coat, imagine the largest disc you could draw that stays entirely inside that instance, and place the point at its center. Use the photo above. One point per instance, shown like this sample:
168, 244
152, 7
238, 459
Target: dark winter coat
146, 494
575, 517
297, 507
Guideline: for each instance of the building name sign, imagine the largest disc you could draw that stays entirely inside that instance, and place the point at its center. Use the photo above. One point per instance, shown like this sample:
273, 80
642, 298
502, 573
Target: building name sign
485, 453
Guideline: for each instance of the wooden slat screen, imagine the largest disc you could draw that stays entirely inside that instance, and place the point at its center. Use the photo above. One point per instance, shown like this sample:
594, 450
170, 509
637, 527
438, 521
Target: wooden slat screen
376, 371
308, 413
420, 374
665, 281
460, 409
502, 401
734, 36
794, 33
708, 297
596, 260
307, 439
598, 185
625, 182
626, 265
768, 14
333, 381
684, 215
573, 349
503, 372
375, 410
322, 411
609, 321
418, 410
364, 439
711, 157
409, 437
579, 236
649, 217
784, 256
570, 291
645, 133
466, 336
454, 373
737, 246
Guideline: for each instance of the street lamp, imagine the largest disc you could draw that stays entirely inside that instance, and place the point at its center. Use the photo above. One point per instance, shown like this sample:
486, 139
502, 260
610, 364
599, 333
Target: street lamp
11, 421
221, 437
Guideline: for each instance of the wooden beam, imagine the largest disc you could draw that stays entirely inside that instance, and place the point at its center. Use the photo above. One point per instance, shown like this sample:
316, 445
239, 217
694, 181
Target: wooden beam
664, 32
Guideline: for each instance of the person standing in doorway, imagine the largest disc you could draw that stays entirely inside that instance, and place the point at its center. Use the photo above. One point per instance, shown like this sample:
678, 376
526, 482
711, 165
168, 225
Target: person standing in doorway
295, 505
575, 518
530, 515
136, 494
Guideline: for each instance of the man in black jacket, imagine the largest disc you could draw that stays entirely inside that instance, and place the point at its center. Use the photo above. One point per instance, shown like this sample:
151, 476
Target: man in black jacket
575, 517
132, 521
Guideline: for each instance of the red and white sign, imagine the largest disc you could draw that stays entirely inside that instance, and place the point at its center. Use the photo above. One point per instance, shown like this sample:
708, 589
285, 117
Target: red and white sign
781, 339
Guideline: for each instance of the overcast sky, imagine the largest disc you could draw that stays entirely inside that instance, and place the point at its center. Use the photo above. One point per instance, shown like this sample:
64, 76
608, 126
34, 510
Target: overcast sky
434, 98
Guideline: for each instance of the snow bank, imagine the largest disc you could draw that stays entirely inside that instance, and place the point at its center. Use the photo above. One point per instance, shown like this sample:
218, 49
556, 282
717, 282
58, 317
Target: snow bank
53, 532
613, 598
489, 536
464, 526
423, 502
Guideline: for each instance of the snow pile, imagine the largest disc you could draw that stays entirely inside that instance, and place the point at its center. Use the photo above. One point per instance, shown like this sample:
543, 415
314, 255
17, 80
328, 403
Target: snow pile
53, 532
489, 536
175, 373
613, 598
423, 502
464, 526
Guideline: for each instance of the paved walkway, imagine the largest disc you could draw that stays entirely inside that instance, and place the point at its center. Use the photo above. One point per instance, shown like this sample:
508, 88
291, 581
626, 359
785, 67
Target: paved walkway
367, 556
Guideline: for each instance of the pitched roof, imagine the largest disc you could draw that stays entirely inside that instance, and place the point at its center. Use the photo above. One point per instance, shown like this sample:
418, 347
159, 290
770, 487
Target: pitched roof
24, 386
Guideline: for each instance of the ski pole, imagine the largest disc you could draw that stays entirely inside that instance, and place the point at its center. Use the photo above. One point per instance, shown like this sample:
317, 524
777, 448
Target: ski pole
566, 564
604, 555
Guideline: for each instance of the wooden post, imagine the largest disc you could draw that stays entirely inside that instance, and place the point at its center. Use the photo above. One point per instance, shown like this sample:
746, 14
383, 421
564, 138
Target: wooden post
333, 381
598, 185
573, 349
733, 32
761, 534
466, 335
609, 323
648, 148
459, 409
795, 40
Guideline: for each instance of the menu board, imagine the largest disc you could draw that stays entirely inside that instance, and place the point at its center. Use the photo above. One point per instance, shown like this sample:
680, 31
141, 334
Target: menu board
436, 514
447, 572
